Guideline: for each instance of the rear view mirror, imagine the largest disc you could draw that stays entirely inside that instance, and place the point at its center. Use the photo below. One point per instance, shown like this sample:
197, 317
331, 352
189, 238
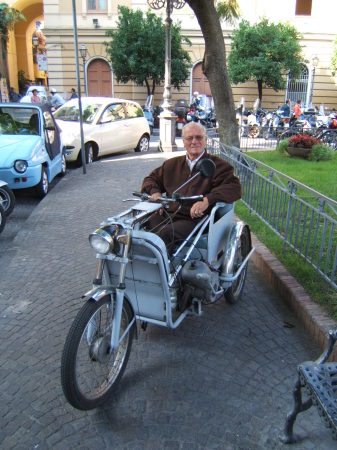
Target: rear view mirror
206, 167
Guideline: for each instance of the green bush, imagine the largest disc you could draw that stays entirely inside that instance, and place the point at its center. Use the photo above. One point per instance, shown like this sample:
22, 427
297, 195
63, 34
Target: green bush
320, 152
282, 145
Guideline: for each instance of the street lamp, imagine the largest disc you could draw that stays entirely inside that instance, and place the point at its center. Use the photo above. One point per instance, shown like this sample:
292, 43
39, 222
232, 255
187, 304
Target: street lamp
314, 63
84, 52
167, 118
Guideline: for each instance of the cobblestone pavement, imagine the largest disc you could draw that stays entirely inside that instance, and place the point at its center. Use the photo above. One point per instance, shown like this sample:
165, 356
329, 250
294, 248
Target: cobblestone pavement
221, 381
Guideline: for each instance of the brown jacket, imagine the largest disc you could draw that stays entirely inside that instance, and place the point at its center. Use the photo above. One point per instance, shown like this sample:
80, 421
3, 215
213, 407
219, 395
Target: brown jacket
224, 186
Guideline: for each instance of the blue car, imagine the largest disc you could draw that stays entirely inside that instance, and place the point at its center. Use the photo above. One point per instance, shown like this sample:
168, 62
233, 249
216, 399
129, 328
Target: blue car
31, 153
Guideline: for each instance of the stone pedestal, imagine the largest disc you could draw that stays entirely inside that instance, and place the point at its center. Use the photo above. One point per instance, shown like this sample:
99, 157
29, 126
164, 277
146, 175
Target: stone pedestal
167, 131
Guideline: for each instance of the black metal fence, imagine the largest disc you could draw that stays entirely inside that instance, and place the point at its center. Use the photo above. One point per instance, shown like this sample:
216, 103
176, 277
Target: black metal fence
304, 219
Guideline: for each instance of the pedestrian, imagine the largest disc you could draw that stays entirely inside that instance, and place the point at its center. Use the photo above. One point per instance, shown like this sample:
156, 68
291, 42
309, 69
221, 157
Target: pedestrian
297, 109
13, 96
286, 109
72, 94
224, 186
35, 97
56, 100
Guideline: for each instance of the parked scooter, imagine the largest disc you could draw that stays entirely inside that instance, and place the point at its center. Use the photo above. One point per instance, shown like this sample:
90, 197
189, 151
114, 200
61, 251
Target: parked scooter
137, 281
7, 198
148, 112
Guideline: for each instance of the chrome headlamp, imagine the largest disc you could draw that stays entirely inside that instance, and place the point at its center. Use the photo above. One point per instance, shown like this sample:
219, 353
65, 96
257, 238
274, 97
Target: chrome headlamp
103, 240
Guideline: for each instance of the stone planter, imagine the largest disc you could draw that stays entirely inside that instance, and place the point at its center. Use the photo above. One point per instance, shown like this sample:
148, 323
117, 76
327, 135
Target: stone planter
299, 151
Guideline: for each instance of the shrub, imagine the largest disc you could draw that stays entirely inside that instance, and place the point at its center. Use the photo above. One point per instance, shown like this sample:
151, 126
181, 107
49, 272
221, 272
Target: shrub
282, 145
320, 152
303, 140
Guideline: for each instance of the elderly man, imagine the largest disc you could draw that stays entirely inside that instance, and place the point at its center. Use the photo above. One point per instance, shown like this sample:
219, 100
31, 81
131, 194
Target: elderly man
224, 186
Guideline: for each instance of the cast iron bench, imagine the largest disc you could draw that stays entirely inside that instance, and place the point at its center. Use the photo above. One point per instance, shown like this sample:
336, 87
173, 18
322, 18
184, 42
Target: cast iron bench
319, 378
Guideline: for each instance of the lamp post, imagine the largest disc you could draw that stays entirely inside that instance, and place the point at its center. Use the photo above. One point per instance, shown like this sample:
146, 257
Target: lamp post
84, 52
314, 63
167, 119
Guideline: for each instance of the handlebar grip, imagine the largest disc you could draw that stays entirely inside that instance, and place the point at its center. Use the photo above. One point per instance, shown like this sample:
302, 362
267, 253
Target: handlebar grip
141, 195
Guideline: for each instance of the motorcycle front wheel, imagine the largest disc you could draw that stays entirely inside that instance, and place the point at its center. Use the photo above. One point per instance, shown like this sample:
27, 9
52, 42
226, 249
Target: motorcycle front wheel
234, 293
89, 370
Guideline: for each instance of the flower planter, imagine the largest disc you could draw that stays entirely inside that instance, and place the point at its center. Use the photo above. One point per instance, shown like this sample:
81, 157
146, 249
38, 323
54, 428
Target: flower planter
299, 151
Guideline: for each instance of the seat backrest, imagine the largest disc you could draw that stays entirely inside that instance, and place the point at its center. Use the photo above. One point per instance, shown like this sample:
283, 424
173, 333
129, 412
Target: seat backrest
34, 124
221, 220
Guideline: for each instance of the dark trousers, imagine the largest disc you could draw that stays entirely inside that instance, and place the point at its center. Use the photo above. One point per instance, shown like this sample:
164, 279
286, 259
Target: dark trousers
173, 231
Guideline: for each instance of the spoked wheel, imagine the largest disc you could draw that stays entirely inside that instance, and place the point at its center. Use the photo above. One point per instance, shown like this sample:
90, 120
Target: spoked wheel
89, 370
43, 187
7, 199
234, 293
143, 144
253, 131
329, 137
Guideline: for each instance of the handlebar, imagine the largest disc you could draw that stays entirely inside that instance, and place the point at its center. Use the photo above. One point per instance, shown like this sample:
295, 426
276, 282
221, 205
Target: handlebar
175, 198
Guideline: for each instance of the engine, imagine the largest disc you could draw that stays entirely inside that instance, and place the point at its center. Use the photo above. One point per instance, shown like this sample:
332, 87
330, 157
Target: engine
203, 280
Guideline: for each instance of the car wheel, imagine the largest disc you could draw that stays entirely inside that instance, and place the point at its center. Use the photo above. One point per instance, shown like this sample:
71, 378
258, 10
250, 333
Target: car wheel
63, 165
143, 144
43, 187
2, 218
89, 153
7, 199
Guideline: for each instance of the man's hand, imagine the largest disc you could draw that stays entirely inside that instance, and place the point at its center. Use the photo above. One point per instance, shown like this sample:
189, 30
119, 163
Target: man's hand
199, 208
154, 197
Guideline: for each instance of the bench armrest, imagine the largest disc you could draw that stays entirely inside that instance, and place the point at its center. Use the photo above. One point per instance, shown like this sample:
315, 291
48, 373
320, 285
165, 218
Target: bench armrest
325, 355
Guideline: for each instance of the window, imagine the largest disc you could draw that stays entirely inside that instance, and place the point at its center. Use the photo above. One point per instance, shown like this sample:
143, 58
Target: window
97, 5
133, 110
112, 113
303, 7
298, 88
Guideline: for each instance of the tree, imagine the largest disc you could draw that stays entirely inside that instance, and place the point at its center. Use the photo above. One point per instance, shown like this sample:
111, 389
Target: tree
265, 52
214, 65
137, 50
334, 58
8, 18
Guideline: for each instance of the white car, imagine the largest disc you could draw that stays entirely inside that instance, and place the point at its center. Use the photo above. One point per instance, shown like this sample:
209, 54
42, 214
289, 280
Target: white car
109, 125
41, 90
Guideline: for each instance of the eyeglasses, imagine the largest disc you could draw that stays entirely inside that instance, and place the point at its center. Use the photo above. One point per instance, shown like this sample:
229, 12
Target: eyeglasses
197, 138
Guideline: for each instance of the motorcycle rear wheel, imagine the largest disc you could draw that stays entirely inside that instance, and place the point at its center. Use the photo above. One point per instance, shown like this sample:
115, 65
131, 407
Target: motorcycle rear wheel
89, 372
234, 293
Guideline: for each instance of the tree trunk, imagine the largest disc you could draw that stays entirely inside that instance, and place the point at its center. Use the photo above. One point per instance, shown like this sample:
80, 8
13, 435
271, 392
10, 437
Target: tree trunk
259, 89
214, 67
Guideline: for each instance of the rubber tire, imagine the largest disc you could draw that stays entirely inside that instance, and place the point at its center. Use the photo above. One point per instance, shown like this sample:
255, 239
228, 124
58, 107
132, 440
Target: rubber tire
42, 188
64, 165
2, 218
234, 293
329, 138
143, 144
8, 197
253, 131
69, 373
89, 153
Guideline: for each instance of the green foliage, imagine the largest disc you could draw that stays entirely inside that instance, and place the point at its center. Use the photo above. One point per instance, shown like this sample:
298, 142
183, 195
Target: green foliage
137, 50
334, 58
265, 52
8, 18
23, 81
321, 152
282, 146
228, 10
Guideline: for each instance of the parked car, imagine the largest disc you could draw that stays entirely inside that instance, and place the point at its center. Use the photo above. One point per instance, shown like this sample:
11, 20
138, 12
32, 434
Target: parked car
109, 125
42, 93
31, 149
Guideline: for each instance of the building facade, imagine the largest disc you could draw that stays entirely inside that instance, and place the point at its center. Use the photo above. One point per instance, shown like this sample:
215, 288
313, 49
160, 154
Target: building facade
312, 18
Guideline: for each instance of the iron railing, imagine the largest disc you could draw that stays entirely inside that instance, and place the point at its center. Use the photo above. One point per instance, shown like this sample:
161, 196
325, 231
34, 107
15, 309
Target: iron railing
304, 219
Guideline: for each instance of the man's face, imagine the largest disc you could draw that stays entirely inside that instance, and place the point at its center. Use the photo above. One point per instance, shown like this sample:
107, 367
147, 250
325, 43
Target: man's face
194, 140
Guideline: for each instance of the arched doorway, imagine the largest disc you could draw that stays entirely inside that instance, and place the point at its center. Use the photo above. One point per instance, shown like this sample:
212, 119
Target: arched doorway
200, 82
99, 78
299, 88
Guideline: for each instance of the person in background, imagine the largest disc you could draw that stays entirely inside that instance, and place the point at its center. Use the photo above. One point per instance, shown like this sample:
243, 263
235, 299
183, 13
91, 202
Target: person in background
56, 100
286, 109
13, 96
35, 97
297, 111
73, 94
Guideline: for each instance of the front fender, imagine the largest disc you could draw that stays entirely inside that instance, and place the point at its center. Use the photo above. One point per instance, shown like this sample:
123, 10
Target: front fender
97, 293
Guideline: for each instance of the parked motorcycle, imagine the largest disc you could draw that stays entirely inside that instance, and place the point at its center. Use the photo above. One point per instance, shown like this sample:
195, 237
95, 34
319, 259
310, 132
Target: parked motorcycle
7, 198
137, 281
149, 112
180, 109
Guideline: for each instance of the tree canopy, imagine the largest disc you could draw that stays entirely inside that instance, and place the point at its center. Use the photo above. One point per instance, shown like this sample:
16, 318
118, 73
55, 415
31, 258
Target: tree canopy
265, 52
137, 50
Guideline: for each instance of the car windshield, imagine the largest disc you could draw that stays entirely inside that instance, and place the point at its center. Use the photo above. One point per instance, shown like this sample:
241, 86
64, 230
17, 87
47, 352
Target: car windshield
70, 111
22, 121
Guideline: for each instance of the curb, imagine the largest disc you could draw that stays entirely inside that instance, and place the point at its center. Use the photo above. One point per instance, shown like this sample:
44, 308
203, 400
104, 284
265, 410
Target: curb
314, 318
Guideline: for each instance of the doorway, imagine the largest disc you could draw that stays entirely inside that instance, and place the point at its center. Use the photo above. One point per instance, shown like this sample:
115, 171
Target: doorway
99, 78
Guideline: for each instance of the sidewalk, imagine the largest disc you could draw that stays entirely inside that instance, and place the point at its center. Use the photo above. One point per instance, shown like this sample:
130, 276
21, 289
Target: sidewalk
221, 381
